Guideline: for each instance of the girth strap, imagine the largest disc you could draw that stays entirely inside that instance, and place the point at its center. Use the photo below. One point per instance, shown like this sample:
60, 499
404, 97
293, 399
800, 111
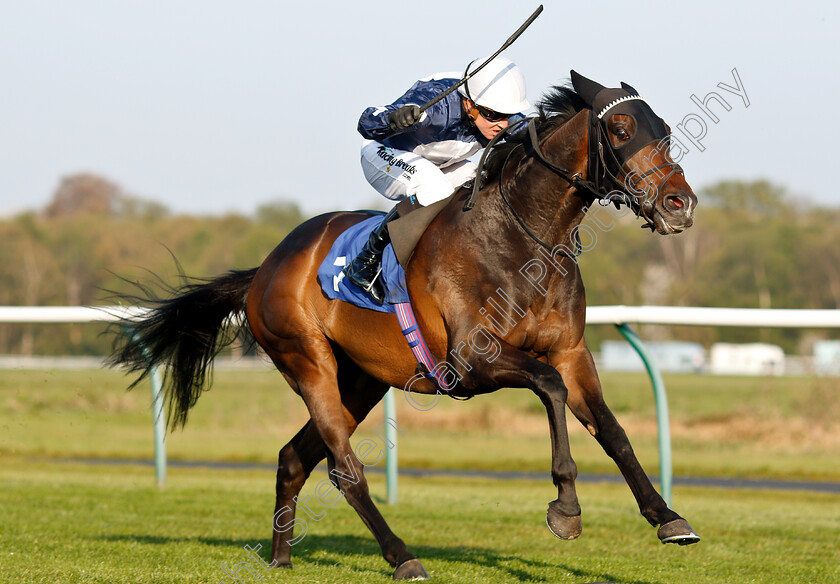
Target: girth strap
417, 344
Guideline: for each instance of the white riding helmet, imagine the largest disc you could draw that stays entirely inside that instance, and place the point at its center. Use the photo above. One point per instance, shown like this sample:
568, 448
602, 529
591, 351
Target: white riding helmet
500, 86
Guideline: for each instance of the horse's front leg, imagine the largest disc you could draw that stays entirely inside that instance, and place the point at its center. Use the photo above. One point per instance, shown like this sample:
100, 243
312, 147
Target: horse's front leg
587, 404
511, 367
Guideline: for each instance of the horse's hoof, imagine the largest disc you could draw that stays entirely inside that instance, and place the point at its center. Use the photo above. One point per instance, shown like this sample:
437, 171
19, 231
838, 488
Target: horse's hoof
563, 526
677, 531
284, 565
411, 570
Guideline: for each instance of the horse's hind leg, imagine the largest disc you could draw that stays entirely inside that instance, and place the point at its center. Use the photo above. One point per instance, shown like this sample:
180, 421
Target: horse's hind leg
295, 462
315, 372
300, 456
587, 404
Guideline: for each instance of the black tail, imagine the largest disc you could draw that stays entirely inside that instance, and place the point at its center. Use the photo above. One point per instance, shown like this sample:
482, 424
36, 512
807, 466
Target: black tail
183, 333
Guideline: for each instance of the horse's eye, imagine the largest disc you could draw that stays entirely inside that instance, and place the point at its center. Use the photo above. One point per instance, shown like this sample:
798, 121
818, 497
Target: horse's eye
622, 134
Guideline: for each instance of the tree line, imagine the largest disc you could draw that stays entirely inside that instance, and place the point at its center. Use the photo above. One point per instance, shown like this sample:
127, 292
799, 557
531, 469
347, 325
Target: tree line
752, 245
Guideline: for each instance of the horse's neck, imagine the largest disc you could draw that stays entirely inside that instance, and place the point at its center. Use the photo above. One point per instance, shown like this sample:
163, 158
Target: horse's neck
542, 198
464, 259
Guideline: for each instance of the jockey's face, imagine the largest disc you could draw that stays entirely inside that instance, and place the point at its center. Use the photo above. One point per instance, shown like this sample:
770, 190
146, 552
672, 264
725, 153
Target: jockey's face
488, 122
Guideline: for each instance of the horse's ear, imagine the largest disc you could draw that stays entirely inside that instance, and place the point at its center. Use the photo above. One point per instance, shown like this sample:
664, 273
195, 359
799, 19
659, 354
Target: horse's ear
629, 89
585, 88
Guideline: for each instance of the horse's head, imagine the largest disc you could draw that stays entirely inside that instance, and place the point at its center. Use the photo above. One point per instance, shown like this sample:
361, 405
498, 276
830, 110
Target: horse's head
629, 148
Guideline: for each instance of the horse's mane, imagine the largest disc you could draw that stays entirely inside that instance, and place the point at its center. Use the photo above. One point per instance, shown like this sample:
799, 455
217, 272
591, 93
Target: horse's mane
556, 107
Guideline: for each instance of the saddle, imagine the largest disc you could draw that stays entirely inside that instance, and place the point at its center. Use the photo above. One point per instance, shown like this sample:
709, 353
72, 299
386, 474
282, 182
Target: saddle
347, 246
406, 230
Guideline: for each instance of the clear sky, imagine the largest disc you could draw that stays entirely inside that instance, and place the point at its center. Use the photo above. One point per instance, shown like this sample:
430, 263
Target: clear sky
210, 106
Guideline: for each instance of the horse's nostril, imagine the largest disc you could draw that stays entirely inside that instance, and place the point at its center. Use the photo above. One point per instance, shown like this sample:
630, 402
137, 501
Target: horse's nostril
676, 202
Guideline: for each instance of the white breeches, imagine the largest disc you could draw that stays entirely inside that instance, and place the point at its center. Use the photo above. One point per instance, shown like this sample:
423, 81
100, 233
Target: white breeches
397, 174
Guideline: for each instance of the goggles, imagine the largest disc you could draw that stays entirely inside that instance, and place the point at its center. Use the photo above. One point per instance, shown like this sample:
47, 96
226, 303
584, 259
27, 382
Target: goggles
490, 115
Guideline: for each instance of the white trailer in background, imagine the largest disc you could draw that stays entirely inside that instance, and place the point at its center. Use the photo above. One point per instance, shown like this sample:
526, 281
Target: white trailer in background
670, 356
746, 359
827, 358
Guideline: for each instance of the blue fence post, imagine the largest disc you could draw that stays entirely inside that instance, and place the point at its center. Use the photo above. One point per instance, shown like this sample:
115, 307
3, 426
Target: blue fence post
662, 422
159, 419
160, 427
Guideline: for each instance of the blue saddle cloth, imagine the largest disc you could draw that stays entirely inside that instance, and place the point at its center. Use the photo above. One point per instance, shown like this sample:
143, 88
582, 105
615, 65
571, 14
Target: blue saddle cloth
346, 247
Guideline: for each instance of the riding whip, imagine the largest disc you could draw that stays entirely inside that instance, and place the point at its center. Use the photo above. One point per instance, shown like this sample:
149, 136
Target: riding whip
467, 77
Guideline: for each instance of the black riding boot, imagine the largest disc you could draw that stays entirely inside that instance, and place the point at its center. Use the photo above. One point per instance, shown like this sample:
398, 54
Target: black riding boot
366, 267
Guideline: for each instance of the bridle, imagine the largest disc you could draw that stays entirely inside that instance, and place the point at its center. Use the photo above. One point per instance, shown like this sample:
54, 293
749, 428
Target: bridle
603, 172
600, 167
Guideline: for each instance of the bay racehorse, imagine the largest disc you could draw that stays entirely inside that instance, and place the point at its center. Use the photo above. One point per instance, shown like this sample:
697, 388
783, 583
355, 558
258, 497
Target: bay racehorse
519, 237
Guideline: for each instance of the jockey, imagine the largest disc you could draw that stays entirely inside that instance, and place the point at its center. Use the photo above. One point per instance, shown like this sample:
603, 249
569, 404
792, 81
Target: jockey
407, 153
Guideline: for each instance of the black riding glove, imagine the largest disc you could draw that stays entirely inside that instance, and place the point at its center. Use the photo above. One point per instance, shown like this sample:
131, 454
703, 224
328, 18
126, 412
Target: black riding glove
404, 117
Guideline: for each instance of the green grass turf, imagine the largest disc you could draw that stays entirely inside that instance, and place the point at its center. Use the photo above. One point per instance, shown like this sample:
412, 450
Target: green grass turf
95, 524
739, 427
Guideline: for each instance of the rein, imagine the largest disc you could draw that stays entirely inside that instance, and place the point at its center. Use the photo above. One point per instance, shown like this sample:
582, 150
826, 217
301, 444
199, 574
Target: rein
594, 188
522, 223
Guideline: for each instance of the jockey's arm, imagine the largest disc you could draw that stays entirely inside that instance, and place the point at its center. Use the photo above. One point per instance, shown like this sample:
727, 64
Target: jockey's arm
374, 122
